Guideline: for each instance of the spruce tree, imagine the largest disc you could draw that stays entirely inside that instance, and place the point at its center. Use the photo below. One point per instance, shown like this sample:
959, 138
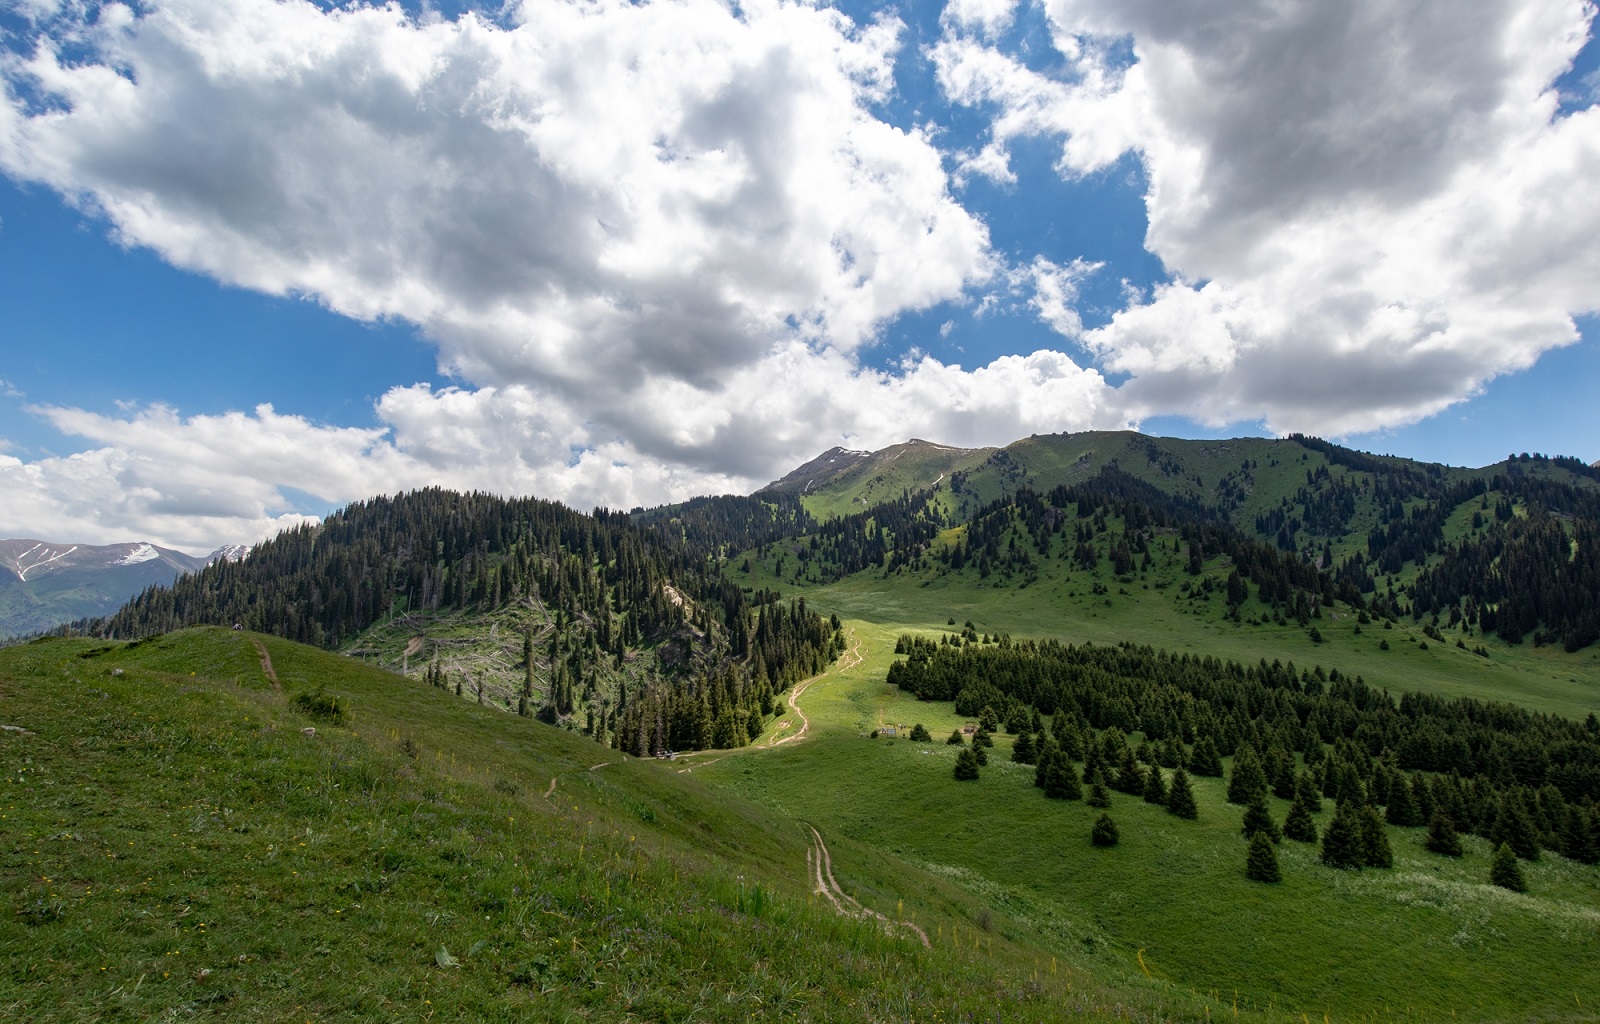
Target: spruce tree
956, 739
1061, 778
1402, 810
1341, 841
1442, 837
966, 765
1421, 796
1258, 819
1504, 870
1513, 828
1298, 825
980, 754
1578, 838
1279, 765
1099, 795
1104, 832
1261, 863
1375, 850
1047, 751
1180, 796
981, 737
1155, 788
1130, 777
920, 734
1205, 760
1022, 748
1248, 779
1305, 793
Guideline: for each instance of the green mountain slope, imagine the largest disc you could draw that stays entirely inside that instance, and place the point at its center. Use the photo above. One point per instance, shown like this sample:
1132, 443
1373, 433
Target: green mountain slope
183, 845
839, 482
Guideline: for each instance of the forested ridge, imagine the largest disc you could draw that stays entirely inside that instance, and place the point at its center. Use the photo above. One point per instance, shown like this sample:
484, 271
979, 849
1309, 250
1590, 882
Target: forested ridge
1523, 563
606, 591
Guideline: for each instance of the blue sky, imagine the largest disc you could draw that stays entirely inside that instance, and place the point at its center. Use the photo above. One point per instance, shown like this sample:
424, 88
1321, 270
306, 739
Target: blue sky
734, 238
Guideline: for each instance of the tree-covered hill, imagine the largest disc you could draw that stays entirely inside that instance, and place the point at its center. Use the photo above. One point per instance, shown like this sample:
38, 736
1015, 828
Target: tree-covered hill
1509, 550
626, 631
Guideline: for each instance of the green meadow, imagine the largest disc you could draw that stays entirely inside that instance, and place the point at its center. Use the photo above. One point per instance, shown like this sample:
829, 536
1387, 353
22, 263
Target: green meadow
179, 846
1427, 940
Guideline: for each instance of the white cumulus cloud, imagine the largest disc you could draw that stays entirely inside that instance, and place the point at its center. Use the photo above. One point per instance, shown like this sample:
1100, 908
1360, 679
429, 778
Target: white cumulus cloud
1369, 209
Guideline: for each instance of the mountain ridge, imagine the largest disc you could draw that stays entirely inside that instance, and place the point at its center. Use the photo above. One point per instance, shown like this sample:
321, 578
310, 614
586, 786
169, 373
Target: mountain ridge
46, 583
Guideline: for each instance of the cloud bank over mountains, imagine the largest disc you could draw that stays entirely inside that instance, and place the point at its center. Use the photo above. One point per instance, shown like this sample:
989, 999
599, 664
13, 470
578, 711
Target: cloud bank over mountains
654, 243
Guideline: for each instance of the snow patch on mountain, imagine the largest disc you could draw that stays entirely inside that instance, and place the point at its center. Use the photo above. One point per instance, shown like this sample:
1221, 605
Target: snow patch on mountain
140, 553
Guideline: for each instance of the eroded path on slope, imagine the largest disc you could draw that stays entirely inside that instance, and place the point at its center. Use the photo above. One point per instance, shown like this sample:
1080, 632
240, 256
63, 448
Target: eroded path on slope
820, 866
266, 665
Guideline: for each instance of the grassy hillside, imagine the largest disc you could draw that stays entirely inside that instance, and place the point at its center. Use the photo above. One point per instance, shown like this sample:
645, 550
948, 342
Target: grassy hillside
181, 846
1427, 940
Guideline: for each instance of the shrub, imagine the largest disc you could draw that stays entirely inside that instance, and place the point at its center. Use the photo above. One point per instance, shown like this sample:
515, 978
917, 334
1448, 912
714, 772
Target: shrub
321, 705
1104, 832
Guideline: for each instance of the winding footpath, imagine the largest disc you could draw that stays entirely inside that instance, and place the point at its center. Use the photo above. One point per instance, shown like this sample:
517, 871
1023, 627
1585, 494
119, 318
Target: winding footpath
800, 688
820, 866
819, 862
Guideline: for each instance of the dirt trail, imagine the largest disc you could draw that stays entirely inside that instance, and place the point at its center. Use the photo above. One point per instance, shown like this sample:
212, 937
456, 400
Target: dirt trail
266, 665
844, 662
850, 659
820, 866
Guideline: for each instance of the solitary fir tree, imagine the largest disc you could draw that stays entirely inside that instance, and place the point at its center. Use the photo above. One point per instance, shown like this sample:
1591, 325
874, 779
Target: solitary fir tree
920, 734
1130, 777
1341, 841
1258, 819
956, 739
1442, 837
1375, 851
1180, 796
1280, 772
966, 765
1022, 749
1205, 760
981, 737
1047, 751
980, 754
1099, 795
1421, 797
1061, 778
1155, 788
1513, 827
1298, 825
1105, 831
1305, 792
1578, 840
1402, 809
1261, 863
1504, 870
1248, 778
